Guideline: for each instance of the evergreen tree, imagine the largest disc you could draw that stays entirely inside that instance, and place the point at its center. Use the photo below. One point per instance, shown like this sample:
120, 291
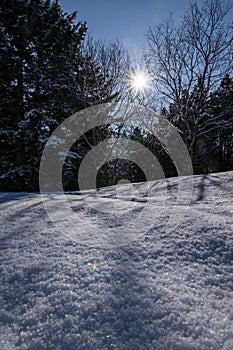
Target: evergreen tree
220, 103
187, 115
44, 78
205, 124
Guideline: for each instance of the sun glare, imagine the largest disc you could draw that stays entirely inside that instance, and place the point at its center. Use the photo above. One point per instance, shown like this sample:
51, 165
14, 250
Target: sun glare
139, 81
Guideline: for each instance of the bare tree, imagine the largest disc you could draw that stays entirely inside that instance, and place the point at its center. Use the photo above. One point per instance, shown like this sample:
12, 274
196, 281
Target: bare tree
202, 46
188, 62
113, 61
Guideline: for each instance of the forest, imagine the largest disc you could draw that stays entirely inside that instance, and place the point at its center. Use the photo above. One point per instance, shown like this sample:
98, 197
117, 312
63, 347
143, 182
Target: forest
52, 67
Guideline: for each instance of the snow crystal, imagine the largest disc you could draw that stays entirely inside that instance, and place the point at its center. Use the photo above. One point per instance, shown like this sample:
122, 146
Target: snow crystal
165, 291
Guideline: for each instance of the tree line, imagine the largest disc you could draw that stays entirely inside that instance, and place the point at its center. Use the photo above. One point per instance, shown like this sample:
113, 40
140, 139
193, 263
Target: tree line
51, 68
191, 66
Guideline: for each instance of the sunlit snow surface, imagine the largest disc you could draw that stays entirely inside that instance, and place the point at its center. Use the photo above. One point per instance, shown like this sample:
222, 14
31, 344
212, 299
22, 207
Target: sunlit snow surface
165, 291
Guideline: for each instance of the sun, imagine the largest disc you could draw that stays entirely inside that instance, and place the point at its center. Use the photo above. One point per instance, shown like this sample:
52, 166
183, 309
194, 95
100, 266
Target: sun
139, 81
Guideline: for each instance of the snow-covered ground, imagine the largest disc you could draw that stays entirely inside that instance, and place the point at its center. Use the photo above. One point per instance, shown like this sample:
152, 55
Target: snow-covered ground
163, 290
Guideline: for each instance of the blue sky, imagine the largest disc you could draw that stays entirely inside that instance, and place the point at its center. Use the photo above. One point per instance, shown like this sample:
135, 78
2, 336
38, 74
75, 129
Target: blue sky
127, 20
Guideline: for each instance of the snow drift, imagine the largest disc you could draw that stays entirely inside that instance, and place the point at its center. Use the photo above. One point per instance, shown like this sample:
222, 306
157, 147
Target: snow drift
162, 291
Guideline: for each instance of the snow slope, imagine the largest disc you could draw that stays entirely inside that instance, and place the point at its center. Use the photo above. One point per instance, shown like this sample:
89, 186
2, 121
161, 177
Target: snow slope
165, 290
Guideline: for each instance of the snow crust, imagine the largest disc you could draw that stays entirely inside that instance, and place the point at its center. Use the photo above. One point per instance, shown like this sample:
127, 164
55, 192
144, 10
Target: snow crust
164, 291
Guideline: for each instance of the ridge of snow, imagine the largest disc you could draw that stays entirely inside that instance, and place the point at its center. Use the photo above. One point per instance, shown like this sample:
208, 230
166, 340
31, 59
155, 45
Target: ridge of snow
164, 291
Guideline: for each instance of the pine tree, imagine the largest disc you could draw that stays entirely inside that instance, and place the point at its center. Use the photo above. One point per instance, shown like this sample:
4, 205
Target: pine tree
187, 115
205, 124
219, 119
44, 78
